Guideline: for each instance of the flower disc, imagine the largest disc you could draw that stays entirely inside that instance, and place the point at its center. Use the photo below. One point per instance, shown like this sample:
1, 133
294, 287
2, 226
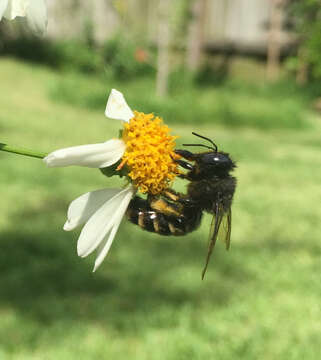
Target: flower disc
149, 153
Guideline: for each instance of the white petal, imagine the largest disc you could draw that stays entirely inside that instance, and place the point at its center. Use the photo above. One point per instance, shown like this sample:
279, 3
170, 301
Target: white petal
16, 8
82, 208
37, 15
117, 107
3, 7
93, 155
102, 222
107, 242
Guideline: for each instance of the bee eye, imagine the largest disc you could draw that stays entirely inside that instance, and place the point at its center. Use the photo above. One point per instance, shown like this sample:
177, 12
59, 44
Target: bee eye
210, 158
216, 159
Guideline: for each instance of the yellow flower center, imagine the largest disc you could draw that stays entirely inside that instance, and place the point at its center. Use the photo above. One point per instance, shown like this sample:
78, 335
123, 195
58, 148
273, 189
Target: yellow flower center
149, 153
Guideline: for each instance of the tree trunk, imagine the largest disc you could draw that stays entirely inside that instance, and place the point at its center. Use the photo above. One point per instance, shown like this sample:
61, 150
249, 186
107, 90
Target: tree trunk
163, 47
274, 41
196, 34
302, 71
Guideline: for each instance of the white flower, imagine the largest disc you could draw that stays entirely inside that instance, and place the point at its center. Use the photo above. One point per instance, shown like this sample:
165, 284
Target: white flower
96, 155
146, 149
34, 10
100, 210
93, 155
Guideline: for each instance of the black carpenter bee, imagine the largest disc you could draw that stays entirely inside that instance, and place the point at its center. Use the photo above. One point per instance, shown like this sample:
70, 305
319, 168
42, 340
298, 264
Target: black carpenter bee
211, 189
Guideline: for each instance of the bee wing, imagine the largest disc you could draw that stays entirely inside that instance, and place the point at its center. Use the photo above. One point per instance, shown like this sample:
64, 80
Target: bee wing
220, 229
224, 233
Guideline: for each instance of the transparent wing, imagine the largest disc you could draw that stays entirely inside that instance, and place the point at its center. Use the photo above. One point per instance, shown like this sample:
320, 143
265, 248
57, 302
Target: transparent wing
224, 233
220, 229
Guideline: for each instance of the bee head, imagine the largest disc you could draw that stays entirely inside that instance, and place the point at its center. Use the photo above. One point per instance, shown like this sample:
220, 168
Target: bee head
212, 162
216, 161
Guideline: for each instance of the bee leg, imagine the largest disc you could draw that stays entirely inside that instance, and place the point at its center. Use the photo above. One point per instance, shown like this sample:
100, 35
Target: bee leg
184, 176
178, 197
185, 164
172, 195
163, 206
185, 154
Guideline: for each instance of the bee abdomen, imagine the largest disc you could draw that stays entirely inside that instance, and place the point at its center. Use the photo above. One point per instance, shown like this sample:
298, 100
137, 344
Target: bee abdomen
140, 213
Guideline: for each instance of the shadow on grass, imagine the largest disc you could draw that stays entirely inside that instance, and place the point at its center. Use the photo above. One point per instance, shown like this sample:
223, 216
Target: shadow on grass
43, 280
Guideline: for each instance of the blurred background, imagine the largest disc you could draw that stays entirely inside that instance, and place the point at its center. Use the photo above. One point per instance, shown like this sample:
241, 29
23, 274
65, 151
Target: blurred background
245, 73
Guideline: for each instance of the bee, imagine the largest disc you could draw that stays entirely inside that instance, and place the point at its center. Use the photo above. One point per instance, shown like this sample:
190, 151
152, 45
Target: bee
210, 189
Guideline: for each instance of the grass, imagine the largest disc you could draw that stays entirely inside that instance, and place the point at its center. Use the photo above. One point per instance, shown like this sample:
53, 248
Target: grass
260, 300
232, 103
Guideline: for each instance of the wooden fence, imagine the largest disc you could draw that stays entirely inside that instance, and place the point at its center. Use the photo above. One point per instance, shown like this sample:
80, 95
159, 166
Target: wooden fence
241, 24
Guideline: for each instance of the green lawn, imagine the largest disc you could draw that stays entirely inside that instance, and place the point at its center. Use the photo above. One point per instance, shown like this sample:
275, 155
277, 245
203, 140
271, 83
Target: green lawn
260, 300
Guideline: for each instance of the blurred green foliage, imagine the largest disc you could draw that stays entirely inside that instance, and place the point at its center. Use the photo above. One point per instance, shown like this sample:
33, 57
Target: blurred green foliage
207, 96
62, 55
118, 57
232, 103
306, 17
123, 59
260, 300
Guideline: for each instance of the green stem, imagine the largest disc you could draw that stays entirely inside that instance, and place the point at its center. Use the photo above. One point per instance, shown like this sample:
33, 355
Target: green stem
20, 151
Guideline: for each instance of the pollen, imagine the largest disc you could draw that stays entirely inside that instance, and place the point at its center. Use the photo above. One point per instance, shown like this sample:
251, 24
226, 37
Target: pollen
149, 154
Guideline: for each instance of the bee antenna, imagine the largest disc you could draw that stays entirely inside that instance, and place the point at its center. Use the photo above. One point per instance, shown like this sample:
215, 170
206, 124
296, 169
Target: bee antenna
205, 138
207, 147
